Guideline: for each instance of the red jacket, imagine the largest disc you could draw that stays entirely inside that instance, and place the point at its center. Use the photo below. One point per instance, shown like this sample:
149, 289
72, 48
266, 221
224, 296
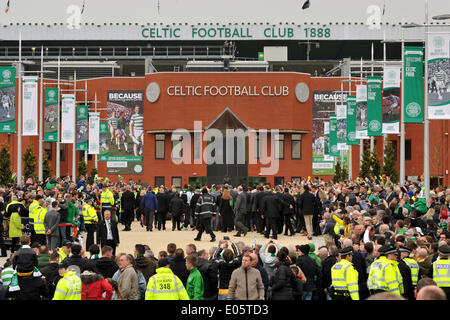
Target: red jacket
93, 287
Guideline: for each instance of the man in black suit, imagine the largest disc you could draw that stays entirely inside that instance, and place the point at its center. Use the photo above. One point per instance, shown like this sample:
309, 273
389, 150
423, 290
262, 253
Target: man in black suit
107, 232
307, 204
128, 204
163, 207
258, 208
288, 212
272, 206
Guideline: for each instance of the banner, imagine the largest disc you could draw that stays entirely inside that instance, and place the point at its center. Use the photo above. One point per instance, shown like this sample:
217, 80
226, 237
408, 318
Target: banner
126, 127
29, 106
82, 128
391, 100
374, 115
51, 115
351, 121
438, 76
103, 141
94, 133
334, 152
413, 75
324, 102
7, 100
341, 127
68, 118
361, 112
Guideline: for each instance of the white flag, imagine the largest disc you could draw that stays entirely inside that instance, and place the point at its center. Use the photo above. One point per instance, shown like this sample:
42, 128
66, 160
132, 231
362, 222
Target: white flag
94, 133
68, 118
30, 106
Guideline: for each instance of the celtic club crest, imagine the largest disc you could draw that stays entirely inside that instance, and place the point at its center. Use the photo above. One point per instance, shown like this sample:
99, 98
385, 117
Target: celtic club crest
67, 134
375, 125
352, 136
438, 42
6, 74
30, 125
334, 149
51, 94
413, 109
138, 168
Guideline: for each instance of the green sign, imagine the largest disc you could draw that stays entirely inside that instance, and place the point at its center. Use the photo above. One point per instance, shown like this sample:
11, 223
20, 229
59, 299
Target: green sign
334, 152
51, 115
82, 128
351, 121
7, 100
374, 110
413, 75
104, 148
260, 56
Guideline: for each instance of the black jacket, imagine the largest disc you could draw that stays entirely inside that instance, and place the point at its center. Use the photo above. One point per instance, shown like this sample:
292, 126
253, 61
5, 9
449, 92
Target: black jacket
327, 264
63, 211
288, 201
405, 271
209, 270
178, 266
128, 200
106, 266
258, 201
282, 282
225, 271
77, 260
307, 203
311, 271
146, 266
51, 274
272, 206
31, 288
25, 260
102, 232
163, 202
176, 206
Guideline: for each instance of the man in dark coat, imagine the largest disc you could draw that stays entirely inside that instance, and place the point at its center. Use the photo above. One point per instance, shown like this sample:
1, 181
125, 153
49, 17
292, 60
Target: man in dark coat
240, 210
271, 207
106, 264
177, 208
327, 264
178, 266
76, 259
307, 204
51, 274
311, 271
288, 211
107, 232
144, 264
258, 205
163, 208
128, 204
210, 272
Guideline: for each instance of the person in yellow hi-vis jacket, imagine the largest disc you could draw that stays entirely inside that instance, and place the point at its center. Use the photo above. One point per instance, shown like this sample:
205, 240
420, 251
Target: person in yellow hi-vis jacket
69, 286
344, 277
441, 270
384, 275
106, 198
90, 220
164, 285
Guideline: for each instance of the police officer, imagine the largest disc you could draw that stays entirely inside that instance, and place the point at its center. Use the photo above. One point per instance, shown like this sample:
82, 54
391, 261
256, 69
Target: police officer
31, 211
412, 264
38, 222
406, 273
344, 277
164, 285
384, 275
205, 209
69, 287
106, 198
441, 270
90, 220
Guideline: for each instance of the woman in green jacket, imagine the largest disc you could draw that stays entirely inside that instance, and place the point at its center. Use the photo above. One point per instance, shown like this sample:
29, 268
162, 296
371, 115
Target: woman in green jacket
194, 285
15, 229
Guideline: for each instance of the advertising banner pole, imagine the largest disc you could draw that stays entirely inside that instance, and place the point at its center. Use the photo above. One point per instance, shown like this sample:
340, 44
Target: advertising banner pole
74, 144
41, 119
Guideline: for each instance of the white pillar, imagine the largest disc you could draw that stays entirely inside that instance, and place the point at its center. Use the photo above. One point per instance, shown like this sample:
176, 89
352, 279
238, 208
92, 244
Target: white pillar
58, 134
41, 120
402, 117
74, 145
426, 128
19, 117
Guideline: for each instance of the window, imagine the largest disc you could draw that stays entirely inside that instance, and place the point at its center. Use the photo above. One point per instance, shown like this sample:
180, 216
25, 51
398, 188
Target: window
393, 144
279, 140
159, 181
257, 146
62, 152
408, 149
160, 146
279, 181
296, 147
176, 143
176, 181
48, 148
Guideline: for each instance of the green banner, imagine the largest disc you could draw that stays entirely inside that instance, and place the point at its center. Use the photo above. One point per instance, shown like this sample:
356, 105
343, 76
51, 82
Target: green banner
351, 121
334, 152
374, 110
51, 115
413, 75
82, 127
104, 147
7, 99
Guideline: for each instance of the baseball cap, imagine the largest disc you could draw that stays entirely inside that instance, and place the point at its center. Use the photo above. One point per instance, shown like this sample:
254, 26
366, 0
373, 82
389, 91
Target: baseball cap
64, 264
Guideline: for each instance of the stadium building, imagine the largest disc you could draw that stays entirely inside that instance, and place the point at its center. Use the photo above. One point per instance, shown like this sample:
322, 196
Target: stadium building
151, 68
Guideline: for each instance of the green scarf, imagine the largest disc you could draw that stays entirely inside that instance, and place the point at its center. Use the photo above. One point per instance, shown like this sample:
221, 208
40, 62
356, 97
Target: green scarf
14, 286
140, 255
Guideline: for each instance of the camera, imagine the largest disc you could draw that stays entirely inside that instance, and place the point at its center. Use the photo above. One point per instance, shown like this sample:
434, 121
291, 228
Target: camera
226, 238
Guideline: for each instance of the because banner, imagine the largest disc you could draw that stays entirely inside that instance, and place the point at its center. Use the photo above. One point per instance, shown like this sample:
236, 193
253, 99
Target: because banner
374, 115
82, 128
351, 121
7, 99
51, 115
126, 126
391, 100
413, 75
104, 147
29, 106
68, 118
361, 112
94, 133
341, 123
438, 76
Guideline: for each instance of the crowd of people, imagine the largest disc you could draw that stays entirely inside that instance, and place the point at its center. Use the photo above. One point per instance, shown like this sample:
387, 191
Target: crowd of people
381, 241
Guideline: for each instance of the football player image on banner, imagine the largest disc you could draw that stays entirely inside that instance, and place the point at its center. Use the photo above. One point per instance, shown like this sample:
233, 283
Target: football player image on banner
94, 134
341, 118
391, 100
439, 76
29, 106
51, 115
104, 146
361, 112
7, 99
82, 128
126, 131
68, 118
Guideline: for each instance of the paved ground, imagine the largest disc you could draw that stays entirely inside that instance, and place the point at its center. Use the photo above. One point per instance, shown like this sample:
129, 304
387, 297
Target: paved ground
158, 240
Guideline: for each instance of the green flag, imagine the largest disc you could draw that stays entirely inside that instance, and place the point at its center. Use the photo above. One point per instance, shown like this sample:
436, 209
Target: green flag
374, 112
351, 121
8, 99
333, 137
104, 147
413, 75
82, 128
